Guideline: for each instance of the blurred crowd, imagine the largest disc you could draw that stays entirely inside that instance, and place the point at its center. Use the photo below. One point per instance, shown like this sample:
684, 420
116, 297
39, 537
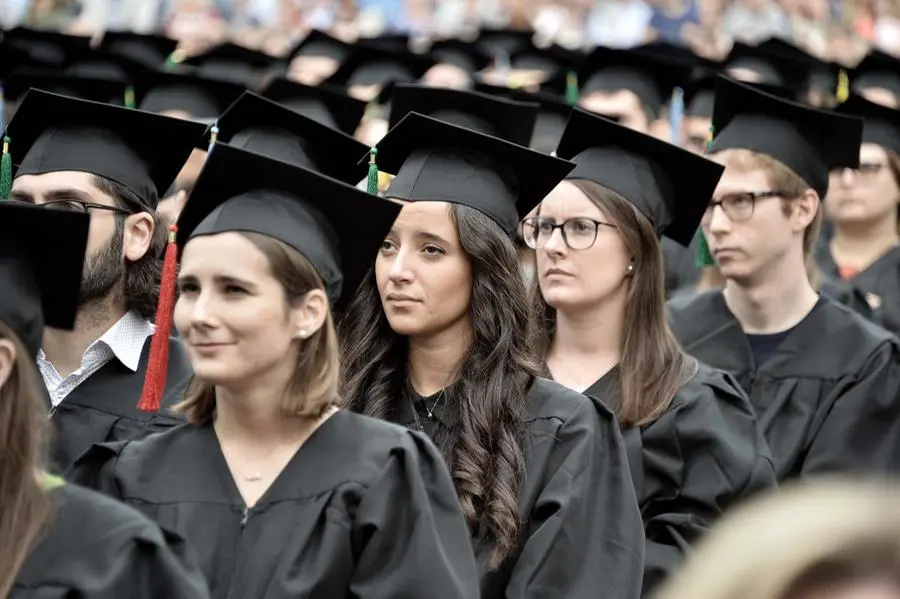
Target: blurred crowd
838, 30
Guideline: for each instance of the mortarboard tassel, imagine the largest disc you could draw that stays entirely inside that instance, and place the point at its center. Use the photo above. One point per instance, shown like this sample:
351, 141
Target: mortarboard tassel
5, 170
51, 481
213, 136
571, 88
676, 112
704, 257
843, 87
129, 98
710, 137
158, 361
372, 180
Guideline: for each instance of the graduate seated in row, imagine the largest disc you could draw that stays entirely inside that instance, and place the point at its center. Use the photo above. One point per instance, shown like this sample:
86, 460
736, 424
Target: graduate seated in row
437, 339
57, 539
824, 382
279, 493
694, 445
113, 164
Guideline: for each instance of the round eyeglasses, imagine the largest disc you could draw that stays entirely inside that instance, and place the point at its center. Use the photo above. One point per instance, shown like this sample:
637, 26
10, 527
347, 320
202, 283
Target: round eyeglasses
577, 233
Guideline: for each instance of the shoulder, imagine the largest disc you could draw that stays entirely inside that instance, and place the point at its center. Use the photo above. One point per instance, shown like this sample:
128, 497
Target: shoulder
857, 334
549, 400
692, 302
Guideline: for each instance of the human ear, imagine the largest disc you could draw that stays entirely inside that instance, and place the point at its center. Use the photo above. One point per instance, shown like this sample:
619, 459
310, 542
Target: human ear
7, 360
138, 236
309, 315
806, 206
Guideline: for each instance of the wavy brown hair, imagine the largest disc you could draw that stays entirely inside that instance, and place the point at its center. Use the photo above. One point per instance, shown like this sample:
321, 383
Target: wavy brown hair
313, 389
484, 446
653, 366
25, 507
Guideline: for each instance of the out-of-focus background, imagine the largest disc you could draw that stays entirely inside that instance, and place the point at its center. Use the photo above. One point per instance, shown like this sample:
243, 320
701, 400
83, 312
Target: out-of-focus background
838, 30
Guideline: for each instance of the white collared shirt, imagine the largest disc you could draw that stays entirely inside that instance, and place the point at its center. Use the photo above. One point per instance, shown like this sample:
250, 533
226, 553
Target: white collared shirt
124, 341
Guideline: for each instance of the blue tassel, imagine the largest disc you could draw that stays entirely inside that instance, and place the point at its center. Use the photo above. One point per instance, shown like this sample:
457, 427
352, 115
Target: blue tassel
676, 113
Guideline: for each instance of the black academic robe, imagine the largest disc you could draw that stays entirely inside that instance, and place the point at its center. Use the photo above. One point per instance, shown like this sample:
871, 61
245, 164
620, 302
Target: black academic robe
364, 509
703, 455
97, 548
828, 398
880, 283
104, 407
680, 266
583, 535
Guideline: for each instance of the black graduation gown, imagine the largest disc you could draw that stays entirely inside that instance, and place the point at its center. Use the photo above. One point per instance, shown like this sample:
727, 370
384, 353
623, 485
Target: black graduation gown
364, 509
97, 548
828, 398
699, 458
104, 407
583, 534
880, 281
680, 266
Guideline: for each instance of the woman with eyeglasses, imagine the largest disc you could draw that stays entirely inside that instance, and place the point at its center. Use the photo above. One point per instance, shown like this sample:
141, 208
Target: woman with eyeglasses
863, 206
437, 339
57, 539
694, 445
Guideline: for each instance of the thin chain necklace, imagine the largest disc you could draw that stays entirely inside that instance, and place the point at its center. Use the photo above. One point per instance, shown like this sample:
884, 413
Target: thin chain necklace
428, 412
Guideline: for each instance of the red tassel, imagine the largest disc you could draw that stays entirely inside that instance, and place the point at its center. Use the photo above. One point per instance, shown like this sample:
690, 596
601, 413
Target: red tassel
158, 362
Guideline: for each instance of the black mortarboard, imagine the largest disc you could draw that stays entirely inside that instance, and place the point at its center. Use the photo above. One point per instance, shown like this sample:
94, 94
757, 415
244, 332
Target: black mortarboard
262, 126
807, 140
550, 60
231, 62
507, 119
41, 281
650, 78
394, 41
877, 69
201, 97
819, 74
149, 49
882, 124
699, 95
318, 43
139, 150
107, 65
49, 47
368, 65
677, 53
769, 63
465, 55
322, 103
337, 227
12, 59
87, 88
504, 40
553, 113
436, 161
670, 186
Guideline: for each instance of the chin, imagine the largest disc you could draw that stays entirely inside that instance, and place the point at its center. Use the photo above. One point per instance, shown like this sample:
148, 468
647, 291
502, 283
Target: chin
561, 299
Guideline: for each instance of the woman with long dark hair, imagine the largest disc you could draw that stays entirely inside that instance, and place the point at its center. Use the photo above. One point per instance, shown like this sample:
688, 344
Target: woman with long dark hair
279, 492
57, 539
436, 339
694, 445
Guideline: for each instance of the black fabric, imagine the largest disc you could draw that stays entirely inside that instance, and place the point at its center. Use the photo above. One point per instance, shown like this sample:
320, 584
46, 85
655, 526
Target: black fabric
331, 107
363, 509
87, 88
97, 548
828, 399
583, 533
705, 454
104, 407
882, 124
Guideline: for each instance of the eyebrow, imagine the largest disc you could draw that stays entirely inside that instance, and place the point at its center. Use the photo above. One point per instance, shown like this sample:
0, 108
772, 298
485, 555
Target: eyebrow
221, 279
427, 235
53, 195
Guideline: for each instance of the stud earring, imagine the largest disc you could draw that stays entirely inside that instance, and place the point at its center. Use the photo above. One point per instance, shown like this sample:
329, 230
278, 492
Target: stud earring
304, 333
630, 269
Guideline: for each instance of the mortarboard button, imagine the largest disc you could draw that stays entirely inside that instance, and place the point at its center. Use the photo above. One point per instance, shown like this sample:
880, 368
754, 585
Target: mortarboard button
323, 104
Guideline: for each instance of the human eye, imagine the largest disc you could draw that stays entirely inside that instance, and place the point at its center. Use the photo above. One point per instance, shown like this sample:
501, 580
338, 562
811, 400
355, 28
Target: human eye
188, 287
66, 205
433, 250
740, 200
580, 226
387, 247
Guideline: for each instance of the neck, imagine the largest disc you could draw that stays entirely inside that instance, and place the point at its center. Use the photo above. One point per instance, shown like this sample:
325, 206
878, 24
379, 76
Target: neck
776, 302
64, 349
595, 332
433, 363
862, 243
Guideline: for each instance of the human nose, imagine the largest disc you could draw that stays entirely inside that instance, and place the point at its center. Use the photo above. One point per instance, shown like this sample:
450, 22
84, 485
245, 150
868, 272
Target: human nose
556, 243
200, 309
718, 220
399, 271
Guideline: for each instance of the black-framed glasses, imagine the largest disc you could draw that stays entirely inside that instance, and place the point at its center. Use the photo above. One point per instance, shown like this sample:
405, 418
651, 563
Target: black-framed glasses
740, 206
80, 206
578, 233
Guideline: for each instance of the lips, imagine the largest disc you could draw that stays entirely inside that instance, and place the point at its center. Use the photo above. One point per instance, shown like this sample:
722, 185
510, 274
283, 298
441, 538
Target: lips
400, 297
557, 272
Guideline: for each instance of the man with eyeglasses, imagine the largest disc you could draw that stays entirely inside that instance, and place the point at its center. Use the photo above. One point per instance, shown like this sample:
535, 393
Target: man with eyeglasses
824, 381
112, 163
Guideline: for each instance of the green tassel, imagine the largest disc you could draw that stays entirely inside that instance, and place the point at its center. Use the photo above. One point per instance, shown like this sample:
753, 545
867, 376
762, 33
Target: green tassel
704, 257
51, 481
5, 171
571, 88
710, 137
129, 98
372, 182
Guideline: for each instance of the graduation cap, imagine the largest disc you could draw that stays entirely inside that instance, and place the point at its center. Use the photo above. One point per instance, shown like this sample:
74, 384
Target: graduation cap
262, 126
201, 97
337, 227
809, 141
465, 55
87, 88
507, 119
550, 60
437, 161
102, 64
149, 49
322, 103
318, 43
139, 150
772, 65
670, 186
699, 95
819, 74
553, 113
12, 59
678, 53
877, 69
378, 66
41, 281
48, 47
396, 42
650, 78
882, 124
234, 63
504, 40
